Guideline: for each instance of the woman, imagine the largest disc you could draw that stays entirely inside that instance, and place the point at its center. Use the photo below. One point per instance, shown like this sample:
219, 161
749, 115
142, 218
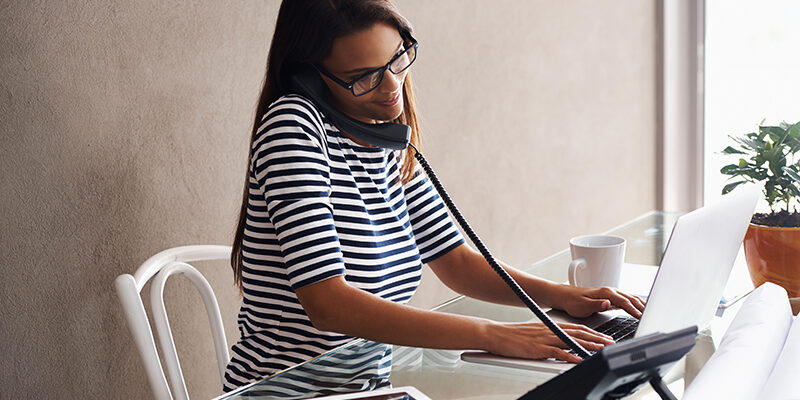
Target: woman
333, 232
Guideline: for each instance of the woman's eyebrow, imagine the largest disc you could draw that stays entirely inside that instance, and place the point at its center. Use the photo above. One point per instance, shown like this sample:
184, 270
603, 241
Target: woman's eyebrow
352, 71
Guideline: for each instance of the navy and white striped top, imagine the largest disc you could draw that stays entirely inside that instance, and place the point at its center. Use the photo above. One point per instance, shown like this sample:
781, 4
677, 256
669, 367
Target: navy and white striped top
319, 206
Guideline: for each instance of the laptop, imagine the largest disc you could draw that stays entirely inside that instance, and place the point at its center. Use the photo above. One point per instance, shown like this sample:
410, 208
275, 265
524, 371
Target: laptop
688, 285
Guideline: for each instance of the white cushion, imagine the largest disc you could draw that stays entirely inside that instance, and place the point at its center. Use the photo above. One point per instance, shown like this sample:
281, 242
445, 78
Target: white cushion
783, 382
748, 350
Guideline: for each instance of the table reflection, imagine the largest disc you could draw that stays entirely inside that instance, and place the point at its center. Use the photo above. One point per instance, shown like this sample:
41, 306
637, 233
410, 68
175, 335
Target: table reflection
354, 367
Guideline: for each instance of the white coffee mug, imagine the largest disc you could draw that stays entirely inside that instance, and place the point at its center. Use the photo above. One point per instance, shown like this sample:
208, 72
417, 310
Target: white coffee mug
596, 260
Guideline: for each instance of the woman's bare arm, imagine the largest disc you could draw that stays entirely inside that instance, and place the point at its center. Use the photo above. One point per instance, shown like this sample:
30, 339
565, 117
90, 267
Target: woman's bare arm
467, 272
333, 305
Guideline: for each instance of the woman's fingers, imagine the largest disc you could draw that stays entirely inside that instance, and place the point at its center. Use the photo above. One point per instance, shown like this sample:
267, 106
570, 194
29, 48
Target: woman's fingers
559, 354
589, 345
586, 333
585, 337
623, 301
641, 302
589, 341
636, 301
536, 341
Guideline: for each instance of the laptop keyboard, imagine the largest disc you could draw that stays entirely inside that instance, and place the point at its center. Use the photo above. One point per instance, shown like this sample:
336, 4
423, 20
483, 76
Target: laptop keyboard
619, 328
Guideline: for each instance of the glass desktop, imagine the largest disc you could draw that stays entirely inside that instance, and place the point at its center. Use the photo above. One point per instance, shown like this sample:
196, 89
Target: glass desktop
441, 374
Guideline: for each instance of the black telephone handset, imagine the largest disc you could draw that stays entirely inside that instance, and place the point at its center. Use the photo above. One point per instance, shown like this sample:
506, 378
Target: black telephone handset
309, 84
388, 135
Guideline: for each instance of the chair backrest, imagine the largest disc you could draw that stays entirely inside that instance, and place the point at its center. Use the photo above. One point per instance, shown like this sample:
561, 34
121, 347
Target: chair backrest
158, 268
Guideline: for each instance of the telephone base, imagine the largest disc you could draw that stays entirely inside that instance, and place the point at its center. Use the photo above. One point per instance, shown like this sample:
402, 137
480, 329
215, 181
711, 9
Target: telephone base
619, 370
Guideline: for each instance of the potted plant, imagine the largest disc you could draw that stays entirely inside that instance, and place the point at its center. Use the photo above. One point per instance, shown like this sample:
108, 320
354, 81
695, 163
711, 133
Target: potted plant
772, 242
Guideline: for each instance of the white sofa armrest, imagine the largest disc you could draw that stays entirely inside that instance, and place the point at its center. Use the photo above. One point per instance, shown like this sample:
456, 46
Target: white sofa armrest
740, 367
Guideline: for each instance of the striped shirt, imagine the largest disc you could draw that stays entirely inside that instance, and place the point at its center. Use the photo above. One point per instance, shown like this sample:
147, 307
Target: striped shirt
320, 206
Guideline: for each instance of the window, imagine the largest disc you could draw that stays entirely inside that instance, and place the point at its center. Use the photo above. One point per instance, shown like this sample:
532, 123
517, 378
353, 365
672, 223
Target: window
752, 72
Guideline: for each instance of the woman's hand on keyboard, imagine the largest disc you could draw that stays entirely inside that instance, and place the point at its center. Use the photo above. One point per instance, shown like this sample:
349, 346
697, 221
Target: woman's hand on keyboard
534, 340
582, 302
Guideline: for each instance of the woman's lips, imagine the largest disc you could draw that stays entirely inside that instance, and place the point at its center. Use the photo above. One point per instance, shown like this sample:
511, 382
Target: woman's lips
391, 102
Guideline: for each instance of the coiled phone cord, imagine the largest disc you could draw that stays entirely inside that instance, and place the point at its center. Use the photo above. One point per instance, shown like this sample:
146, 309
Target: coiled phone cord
495, 266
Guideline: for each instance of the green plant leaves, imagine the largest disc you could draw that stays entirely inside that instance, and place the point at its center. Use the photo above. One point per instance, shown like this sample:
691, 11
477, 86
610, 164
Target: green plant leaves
792, 174
773, 154
765, 160
777, 166
794, 131
794, 144
734, 169
749, 144
731, 186
776, 133
731, 150
772, 191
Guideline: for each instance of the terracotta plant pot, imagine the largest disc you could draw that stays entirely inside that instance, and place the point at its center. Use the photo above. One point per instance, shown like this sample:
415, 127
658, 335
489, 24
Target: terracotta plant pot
773, 254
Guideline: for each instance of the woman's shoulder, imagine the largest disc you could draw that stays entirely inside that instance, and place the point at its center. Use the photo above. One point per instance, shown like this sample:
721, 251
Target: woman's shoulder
295, 105
291, 111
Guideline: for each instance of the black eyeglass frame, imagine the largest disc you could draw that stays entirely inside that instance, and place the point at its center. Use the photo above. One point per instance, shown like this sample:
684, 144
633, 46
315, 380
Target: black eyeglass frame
350, 85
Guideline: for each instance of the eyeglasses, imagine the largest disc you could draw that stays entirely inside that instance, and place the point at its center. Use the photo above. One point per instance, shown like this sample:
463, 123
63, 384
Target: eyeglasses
370, 80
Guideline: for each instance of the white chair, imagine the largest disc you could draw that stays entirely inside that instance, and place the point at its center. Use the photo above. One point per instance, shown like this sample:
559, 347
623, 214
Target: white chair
160, 267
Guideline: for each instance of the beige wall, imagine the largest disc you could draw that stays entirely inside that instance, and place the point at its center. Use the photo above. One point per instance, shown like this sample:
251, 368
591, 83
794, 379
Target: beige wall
125, 129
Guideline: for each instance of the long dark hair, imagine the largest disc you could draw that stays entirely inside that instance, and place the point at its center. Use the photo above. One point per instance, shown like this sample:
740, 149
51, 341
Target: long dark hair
304, 33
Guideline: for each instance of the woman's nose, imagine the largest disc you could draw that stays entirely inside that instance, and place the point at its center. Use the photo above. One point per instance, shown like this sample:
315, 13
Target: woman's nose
392, 82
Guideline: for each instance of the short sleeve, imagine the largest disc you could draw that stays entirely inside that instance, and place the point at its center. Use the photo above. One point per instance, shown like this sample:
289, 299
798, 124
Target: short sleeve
291, 167
434, 230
